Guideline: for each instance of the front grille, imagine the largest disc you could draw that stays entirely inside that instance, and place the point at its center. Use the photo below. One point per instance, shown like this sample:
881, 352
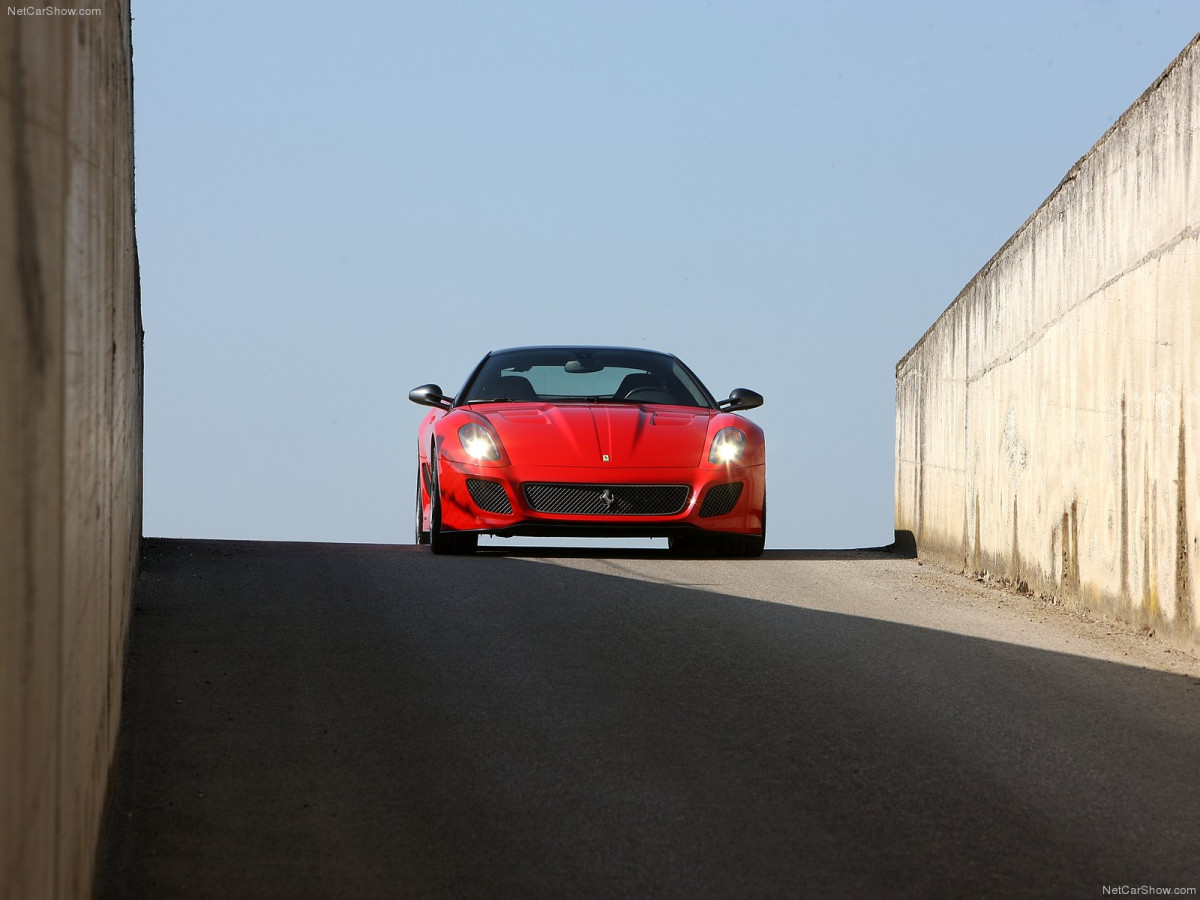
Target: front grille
607, 499
489, 496
720, 499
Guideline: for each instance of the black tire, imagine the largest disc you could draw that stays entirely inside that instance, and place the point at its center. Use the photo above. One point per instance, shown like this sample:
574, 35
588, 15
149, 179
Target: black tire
709, 544
679, 545
750, 546
691, 545
422, 537
742, 546
446, 542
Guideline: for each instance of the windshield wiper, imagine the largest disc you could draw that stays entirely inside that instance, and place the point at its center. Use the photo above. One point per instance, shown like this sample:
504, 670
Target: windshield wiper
596, 399
496, 400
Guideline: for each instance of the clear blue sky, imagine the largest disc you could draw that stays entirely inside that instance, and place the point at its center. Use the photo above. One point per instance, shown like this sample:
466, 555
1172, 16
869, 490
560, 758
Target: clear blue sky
339, 201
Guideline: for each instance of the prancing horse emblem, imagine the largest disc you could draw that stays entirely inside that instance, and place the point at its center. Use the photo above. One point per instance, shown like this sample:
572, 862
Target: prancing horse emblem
609, 499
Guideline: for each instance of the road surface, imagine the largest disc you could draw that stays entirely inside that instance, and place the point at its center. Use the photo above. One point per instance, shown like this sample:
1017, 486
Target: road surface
321, 720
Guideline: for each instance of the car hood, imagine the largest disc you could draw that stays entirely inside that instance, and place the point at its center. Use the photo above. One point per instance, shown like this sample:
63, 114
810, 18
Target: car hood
631, 436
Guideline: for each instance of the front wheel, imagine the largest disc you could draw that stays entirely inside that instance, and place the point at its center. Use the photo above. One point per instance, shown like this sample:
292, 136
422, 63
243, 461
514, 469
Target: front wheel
684, 545
441, 541
422, 536
750, 546
745, 546
714, 544
709, 544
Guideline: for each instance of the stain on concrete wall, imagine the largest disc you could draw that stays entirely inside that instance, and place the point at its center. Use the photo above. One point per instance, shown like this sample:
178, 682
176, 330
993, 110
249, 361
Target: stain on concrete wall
70, 433
1042, 422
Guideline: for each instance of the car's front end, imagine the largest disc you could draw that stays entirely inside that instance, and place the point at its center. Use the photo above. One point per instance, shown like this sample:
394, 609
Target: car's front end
503, 497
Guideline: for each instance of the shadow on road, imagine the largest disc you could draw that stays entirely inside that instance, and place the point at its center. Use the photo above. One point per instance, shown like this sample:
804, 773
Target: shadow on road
550, 552
371, 721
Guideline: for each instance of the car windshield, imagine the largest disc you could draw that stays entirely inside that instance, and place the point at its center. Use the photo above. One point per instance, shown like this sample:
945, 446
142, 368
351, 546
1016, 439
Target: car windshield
583, 375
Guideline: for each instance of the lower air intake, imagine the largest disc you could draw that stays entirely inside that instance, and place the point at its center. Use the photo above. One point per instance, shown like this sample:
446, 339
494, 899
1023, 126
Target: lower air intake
489, 496
607, 499
720, 499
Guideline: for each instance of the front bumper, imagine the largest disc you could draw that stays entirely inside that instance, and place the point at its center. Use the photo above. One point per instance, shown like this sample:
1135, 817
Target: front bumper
461, 510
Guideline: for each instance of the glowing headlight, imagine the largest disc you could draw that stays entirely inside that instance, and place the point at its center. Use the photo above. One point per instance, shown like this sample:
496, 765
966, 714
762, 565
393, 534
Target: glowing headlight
477, 443
727, 446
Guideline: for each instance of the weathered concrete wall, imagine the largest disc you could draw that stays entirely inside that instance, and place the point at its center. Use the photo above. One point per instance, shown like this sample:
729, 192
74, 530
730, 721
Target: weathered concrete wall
70, 433
1048, 424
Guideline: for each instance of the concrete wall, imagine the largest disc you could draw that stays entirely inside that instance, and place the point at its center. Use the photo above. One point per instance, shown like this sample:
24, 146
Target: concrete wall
1048, 424
70, 434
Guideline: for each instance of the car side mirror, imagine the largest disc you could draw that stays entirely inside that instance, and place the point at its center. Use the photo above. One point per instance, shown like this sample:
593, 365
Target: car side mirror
741, 398
430, 395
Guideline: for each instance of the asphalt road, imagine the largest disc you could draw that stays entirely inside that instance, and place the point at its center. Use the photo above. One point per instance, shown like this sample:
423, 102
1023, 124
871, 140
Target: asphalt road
357, 721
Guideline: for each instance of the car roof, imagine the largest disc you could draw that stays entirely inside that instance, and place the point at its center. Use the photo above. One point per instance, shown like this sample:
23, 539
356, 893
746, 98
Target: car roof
578, 347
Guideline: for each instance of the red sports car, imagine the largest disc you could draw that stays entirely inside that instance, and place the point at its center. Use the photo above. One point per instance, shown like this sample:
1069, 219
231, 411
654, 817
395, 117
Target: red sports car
590, 442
